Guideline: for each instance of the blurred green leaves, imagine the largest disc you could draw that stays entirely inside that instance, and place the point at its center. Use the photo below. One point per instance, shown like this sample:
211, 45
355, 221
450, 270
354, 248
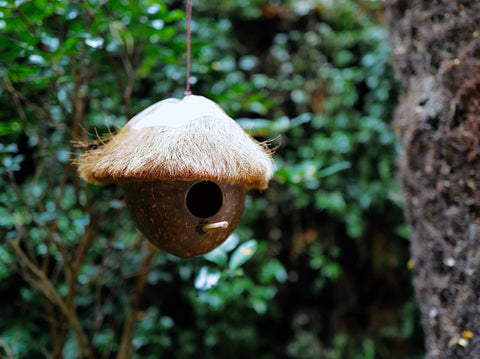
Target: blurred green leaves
229, 257
10, 128
217, 284
242, 254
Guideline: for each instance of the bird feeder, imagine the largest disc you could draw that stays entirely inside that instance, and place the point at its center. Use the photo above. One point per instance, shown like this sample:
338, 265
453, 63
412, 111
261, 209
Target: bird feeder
185, 166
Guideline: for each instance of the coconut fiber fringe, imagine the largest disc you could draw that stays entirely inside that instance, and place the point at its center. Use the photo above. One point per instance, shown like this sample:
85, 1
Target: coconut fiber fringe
206, 148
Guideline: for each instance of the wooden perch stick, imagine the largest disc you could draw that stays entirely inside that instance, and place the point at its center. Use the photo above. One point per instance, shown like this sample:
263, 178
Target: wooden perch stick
211, 226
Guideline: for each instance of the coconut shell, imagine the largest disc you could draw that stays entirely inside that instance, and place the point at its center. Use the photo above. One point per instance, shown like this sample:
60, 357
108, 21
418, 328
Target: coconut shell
185, 167
165, 214
183, 140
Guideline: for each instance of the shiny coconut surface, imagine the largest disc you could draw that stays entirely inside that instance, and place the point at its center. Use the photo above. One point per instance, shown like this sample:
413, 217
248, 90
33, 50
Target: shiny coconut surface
185, 218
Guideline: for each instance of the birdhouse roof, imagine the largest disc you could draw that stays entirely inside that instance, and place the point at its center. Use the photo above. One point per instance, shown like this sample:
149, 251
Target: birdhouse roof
188, 139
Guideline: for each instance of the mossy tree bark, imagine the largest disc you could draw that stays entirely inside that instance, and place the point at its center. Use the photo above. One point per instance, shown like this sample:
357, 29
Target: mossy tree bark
436, 47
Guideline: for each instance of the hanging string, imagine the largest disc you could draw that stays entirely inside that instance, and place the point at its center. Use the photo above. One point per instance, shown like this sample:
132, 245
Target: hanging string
189, 36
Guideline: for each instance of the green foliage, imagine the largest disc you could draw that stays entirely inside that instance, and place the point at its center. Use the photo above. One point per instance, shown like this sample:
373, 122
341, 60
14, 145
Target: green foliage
328, 164
309, 77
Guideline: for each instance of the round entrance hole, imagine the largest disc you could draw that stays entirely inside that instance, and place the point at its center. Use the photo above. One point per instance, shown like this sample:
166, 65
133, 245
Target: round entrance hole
204, 199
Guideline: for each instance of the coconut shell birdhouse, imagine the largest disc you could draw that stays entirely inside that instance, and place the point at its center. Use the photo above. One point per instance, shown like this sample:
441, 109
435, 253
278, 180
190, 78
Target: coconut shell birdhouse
185, 166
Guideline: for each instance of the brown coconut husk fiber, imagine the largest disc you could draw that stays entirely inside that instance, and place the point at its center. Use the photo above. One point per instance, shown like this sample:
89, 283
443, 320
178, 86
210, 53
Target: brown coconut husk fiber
188, 139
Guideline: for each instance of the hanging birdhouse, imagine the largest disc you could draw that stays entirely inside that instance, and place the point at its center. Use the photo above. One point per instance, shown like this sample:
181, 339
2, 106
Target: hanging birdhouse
185, 166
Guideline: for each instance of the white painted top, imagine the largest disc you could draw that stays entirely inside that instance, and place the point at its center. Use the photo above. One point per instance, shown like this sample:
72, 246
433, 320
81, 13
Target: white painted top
173, 112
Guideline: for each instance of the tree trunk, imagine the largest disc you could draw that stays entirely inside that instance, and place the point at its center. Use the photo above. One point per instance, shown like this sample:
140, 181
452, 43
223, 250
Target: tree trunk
436, 48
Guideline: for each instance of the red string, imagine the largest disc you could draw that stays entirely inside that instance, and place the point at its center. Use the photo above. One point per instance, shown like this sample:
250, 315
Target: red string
189, 36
